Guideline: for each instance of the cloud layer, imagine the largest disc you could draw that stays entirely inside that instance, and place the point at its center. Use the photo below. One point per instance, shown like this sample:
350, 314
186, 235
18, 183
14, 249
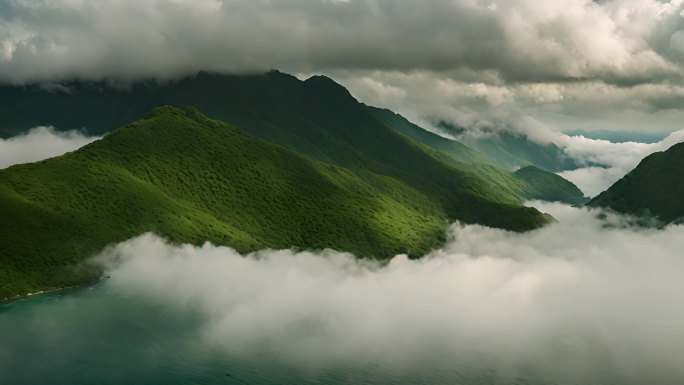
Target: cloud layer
617, 158
40, 143
573, 64
622, 40
575, 302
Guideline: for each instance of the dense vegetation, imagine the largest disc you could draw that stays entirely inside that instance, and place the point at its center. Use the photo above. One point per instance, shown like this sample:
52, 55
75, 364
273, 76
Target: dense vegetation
511, 150
316, 117
529, 182
540, 184
193, 179
457, 153
654, 188
308, 167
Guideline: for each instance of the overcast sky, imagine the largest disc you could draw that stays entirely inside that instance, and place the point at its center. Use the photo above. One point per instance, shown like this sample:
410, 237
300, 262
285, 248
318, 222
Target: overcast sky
570, 64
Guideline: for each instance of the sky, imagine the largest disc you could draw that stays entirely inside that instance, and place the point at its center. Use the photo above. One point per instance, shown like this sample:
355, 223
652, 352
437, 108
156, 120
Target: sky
581, 301
569, 64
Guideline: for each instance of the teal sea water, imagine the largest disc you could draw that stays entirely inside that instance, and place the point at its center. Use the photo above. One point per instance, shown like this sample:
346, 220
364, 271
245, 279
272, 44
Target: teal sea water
97, 335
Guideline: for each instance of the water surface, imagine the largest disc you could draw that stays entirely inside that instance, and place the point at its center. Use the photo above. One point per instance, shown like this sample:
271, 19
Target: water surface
98, 335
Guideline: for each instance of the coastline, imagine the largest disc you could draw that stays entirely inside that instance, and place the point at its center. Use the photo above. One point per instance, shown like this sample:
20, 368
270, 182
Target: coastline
41, 292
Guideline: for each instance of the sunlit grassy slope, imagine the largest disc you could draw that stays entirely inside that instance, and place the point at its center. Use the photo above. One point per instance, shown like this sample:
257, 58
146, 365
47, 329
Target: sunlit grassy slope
193, 179
316, 117
655, 187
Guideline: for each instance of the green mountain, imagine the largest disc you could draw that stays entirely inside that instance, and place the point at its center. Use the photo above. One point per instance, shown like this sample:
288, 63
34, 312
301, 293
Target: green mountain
192, 179
540, 184
456, 152
529, 182
316, 117
286, 163
654, 188
512, 151
619, 136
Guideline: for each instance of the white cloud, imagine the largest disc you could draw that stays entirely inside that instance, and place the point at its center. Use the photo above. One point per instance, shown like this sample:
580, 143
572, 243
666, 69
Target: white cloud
574, 302
594, 180
520, 40
40, 143
618, 159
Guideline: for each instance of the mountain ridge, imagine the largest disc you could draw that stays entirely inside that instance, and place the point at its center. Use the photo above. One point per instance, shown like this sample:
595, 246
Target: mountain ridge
194, 179
318, 169
316, 117
654, 189
529, 182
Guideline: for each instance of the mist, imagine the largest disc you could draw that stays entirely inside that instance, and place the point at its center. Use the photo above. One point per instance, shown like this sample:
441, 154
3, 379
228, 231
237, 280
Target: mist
616, 159
40, 143
584, 300
575, 64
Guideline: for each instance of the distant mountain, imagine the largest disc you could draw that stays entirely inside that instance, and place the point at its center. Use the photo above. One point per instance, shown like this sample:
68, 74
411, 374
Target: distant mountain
529, 182
192, 179
456, 151
654, 188
286, 163
512, 150
547, 186
316, 117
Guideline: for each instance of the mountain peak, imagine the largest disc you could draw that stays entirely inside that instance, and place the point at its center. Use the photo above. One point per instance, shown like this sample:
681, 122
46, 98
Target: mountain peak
168, 109
175, 112
327, 86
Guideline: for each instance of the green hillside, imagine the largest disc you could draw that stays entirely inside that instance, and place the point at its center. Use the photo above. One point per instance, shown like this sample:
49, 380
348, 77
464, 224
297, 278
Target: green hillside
654, 188
528, 183
193, 179
316, 117
457, 152
540, 184
511, 150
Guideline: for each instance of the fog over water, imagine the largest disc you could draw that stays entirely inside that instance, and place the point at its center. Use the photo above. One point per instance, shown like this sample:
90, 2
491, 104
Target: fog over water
583, 300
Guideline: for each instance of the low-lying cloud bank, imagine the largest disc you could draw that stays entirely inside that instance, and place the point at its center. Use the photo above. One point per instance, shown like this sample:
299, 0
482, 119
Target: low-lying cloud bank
38, 144
618, 159
576, 302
